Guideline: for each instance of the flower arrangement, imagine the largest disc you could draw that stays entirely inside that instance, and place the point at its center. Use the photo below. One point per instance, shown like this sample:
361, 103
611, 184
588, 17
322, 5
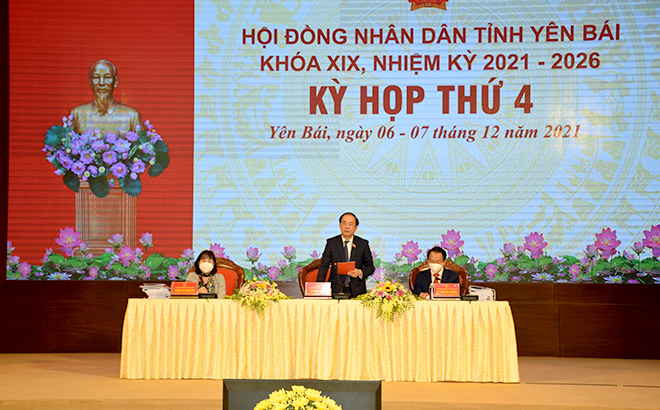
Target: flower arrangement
299, 397
390, 299
257, 294
602, 261
73, 261
99, 158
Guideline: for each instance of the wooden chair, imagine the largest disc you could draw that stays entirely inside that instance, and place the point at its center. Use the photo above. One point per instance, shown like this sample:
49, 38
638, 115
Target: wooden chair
463, 276
233, 274
309, 273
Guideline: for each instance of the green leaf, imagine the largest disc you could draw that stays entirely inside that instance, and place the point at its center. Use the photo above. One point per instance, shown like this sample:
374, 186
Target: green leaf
99, 186
54, 135
154, 262
104, 259
461, 260
162, 159
56, 258
132, 187
71, 180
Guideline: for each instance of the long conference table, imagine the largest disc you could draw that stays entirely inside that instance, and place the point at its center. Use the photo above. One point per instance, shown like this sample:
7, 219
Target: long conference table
318, 339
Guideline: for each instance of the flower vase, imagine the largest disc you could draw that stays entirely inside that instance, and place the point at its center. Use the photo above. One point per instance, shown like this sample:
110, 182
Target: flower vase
97, 219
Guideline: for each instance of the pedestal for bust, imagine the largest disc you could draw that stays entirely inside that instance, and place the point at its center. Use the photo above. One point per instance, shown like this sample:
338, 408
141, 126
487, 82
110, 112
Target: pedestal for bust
99, 218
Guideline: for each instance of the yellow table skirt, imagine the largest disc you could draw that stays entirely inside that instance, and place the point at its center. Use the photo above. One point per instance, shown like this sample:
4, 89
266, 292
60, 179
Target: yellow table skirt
318, 339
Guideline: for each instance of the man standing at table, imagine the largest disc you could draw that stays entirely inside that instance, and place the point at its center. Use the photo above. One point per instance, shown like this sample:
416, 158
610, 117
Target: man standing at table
343, 248
435, 273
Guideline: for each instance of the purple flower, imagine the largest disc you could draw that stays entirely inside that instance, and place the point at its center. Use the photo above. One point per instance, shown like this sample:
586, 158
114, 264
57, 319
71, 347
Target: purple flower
289, 252
118, 170
132, 136
607, 242
121, 145
452, 243
93, 171
398, 256
126, 255
172, 272
273, 272
379, 274
68, 239
629, 256
134, 175
147, 239
64, 159
188, 254
10, 247
410, 250
99, 146
652, 240
508, 249
633, 282
217, 250
138, 166
76, 146
614, 279
491, 271
146, 272
24, 269
252, 254
93, 272
116, 239
109, 157
111, 137
535, 244
501, 261
282, 264
516, 278
591, 251
109, 250
13, 259
78, 168
86, 157
520, 249
558, 260
261, 267
315, 255
575, 271
638, 247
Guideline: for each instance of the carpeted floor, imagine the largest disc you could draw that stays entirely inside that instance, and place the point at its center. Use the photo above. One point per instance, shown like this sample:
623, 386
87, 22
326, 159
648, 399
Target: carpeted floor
90, 381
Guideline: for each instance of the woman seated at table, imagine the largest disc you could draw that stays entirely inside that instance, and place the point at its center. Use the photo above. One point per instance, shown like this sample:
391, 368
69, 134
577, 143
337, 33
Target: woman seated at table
206, 275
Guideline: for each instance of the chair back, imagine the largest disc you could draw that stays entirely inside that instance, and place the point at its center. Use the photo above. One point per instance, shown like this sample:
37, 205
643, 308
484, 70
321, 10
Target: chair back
309, 273
234, 274
462, 274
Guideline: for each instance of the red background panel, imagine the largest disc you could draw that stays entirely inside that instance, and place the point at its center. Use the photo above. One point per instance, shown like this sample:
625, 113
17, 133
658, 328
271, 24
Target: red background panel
51, 47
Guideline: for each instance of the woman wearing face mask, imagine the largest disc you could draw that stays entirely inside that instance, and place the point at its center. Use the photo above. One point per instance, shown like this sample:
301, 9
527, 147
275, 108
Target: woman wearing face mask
206, 275
435, 273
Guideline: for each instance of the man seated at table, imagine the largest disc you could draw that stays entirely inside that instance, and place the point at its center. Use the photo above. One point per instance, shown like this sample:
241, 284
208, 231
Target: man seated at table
436, 259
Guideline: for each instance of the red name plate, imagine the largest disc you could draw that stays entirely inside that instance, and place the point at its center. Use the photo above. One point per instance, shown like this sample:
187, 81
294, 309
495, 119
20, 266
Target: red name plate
318, 289
184, 288
446, 290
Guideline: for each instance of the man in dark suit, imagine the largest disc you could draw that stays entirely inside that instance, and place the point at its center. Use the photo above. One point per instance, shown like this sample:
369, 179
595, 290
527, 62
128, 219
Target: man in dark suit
343, 248
436, 272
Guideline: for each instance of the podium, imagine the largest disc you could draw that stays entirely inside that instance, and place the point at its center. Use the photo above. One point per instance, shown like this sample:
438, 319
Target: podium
99, 218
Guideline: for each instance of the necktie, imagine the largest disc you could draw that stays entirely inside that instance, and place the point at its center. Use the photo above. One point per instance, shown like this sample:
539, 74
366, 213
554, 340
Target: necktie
346, 260
437, 277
